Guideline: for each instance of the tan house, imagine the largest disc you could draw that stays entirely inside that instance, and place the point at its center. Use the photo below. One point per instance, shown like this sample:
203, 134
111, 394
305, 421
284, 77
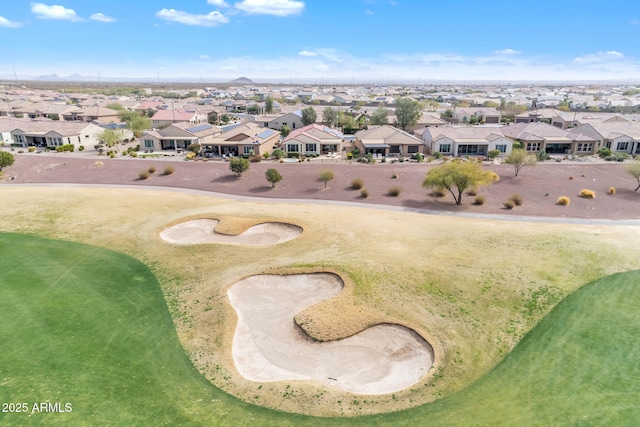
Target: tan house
538, 137
621, 137
478, 114
465, 140
53, 133
178, 136
244, 139
90, 114
163, 118
387, 141
314, 139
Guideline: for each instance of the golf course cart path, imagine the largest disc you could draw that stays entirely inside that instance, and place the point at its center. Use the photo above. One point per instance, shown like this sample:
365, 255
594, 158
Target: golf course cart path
203, 231
269, 346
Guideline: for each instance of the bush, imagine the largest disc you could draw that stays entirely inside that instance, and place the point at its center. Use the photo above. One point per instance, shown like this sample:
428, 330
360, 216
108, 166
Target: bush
134, 154
492, 154
32, 149
437, 193
265, 155
437, 155
509, 204
169, 170
255, 159
494, 176
605, 152
588, 194
98, 164
349, 155
152, 169
612, 191
394, 176
394, 191
65, 147
144, 174
112, 155
81, 148
563, 201
357, 183
190, 155
293, 155
472, 191
479, 200
517, 199
364, 193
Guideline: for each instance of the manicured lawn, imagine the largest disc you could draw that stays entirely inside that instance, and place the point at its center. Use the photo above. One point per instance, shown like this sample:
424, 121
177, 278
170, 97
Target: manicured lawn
89, 326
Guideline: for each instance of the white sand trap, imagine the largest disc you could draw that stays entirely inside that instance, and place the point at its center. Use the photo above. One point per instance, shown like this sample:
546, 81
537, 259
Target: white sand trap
269, 346
203, 231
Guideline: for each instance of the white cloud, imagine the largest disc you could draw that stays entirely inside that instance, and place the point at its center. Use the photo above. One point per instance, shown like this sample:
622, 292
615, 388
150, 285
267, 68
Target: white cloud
271, 7
508, 52
307, 53
218, 3
204, 57
44, 11
4, 22
210, 20
599, 57
101, 17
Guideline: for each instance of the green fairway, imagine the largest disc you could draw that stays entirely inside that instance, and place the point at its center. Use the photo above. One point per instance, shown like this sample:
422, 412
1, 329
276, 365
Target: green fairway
90, 327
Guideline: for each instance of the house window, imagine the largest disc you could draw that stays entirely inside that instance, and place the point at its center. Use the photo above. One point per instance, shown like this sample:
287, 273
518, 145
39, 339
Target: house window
284, 123
247, 149
585, 146
445, 148
68, 140
148, 143
412, 149
533, 146
292, 148
622, 146
468, 149
79, 140
86, 136
310, 148
501, 148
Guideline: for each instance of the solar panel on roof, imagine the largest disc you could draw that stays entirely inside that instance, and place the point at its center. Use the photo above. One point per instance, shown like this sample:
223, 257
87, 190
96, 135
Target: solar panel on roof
199, 128
265, 134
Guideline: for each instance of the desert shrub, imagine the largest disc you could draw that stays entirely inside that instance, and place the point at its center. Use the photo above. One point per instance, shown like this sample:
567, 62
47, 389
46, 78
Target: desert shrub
588, 194
394, 176
349, 155
612, 190
494, 176
112, 155
144, 174
32, 149
437, 155
357, 183
265, 155
152, 169
437, 193
81, 148
169, 170
364, 193
605, 152
255, 159
98, 164
517, 199
509, 204
190, 155
563, 201
472, 191
479, 200
394, 191
492, 154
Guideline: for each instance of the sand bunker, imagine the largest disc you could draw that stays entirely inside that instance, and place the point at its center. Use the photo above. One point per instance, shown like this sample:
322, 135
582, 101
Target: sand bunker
203, 231
269, 346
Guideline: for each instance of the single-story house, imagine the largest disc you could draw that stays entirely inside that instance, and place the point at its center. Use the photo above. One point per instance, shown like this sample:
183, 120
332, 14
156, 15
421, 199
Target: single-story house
387, 141
243, 139
314, 139
537, 137
90, 114
481, 114
465, 140
163, 118
178, 136
54, 133
620, 137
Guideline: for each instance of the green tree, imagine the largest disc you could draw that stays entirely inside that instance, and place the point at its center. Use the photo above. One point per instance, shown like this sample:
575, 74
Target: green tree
135, 121
239, 165
408, 111
457, 176
448, 114
632, 169
492, 154
325, 176
268, 105
330, 116
6, 159
278, 153
109, 137
379, 117
490, 104
253, 109
273, 176
348, 124
115, 106
285, 131
519, 158
309, 116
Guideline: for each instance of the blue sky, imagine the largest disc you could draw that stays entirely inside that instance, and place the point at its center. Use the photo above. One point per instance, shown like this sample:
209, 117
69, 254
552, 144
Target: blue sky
323, 40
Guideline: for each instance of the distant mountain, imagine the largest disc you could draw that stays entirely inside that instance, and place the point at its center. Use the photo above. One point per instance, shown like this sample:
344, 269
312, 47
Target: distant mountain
242, 81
